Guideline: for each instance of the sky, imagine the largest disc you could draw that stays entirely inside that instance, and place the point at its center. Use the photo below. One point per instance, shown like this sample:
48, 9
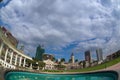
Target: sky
63, 26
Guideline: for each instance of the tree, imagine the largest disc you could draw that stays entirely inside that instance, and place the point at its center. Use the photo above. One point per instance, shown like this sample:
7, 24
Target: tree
70, 60
60, 67
56, 61
76, 60
84, 64
28, 62
53, 59
62, 59
35, 63
41, 64
44, 56
35, 59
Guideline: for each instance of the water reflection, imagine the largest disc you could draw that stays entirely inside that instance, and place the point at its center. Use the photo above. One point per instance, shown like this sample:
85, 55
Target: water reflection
87, 78
34, 76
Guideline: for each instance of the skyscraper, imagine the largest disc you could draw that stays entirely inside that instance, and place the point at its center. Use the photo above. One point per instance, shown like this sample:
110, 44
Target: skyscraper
99, 54
88, 56
39, 53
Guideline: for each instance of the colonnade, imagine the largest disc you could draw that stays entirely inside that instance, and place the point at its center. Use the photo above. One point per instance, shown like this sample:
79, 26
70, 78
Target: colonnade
11, 57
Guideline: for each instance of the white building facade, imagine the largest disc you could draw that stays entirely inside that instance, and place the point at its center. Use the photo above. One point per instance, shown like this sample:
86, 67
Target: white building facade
49, 65
10, 56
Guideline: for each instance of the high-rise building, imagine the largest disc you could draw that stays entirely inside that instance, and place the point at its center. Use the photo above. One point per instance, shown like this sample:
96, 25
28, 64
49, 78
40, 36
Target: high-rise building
39, 53
99, 54
88, 56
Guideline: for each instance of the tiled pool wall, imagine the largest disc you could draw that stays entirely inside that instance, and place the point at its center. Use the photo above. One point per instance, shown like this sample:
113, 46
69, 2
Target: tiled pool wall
117, 72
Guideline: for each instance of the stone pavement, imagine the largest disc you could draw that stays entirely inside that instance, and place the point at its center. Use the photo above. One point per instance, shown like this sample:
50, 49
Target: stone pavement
1, 73
114, 67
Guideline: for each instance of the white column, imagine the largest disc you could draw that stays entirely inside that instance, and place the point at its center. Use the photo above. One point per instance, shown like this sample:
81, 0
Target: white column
20, 61
24, 62
38, 68
11, 57
31, 66
1, 47
16, 57
6, 53
73, 61
38, 65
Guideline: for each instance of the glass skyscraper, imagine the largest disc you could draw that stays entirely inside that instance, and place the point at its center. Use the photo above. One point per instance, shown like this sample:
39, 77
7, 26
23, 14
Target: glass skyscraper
39, 53
99, 54
88, 56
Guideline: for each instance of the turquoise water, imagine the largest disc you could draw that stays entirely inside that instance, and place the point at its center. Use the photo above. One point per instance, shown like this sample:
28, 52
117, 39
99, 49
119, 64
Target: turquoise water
36, 76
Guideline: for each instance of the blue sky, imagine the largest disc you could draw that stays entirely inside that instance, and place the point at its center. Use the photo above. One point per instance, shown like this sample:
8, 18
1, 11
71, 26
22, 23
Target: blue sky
64, 26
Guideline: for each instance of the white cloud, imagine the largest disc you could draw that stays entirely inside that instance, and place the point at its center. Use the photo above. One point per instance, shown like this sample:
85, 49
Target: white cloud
57, 23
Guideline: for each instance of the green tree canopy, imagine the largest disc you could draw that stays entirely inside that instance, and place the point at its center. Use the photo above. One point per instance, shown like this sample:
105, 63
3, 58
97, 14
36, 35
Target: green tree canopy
76, 60
62, 59
70, 60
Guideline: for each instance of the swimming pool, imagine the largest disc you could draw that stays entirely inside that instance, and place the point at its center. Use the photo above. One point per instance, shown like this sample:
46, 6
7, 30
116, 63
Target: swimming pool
19, 75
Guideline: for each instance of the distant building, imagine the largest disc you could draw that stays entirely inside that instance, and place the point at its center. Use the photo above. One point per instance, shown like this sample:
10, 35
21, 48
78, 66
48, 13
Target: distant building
11, 39
10, 56
113, 56
72, 58
72, 64
99, 55
49, 65
87, 58
39, 53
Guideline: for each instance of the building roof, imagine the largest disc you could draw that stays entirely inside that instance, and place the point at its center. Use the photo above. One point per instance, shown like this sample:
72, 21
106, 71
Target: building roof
48, 61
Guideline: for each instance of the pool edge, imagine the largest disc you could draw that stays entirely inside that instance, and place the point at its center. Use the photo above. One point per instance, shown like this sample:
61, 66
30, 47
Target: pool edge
117, 72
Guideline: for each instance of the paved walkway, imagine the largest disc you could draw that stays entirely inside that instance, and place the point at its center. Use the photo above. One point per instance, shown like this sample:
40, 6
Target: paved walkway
114, 67
1, 73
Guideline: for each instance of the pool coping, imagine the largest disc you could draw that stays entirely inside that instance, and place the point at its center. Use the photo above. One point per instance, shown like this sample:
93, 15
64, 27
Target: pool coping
117, 72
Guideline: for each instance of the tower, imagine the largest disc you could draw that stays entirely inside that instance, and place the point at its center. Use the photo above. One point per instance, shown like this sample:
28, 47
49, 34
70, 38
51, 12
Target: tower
99, 54
72, 58
39, 53
88, 56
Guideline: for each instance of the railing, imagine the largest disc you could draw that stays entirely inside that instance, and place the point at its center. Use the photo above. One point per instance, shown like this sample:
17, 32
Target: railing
6, 65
